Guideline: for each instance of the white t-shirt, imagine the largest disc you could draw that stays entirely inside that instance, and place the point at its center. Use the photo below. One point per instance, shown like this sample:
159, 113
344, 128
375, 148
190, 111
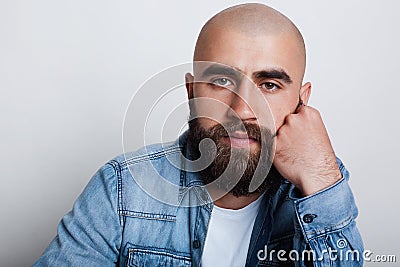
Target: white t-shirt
228, 236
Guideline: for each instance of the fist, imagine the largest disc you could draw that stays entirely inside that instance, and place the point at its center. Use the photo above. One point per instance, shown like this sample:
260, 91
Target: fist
304, 153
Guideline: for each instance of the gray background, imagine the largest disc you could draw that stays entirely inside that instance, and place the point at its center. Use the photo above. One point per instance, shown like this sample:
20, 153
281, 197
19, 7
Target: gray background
68, 70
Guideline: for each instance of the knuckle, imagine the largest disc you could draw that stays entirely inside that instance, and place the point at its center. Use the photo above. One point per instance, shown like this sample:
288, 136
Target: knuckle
313, 112
290, 118
282, 131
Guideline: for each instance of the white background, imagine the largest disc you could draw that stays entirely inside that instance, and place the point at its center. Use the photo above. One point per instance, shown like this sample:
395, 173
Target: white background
68, 70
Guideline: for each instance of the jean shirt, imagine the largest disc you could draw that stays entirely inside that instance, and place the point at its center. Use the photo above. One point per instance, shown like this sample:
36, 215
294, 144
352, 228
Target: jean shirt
117, 222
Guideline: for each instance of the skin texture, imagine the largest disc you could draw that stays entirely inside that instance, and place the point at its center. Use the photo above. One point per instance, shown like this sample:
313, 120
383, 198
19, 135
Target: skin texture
252, 38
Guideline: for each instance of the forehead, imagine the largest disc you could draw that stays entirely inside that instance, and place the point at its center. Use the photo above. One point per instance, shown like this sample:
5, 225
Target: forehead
251, 54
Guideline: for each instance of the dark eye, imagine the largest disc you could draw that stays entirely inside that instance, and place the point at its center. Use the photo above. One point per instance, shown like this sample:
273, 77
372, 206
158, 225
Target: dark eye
224, 82
269, 86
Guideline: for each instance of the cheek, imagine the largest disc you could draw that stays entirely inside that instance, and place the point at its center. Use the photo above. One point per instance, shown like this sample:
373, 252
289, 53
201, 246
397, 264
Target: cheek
281, 106
210, 105
207, 123
279, 117
210, 110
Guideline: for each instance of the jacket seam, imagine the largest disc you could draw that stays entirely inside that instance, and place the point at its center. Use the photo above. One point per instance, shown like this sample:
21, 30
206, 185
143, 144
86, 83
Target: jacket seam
117, 169
146, 215
328, 230
150, 156
157, 251
322, 192
283, 237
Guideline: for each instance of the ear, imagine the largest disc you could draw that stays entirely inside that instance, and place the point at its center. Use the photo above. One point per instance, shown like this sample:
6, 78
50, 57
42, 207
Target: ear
189, 84
305, 92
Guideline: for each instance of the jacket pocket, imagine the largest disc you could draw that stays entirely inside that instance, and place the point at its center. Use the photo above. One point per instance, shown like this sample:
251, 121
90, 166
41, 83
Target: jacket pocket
278, 253
140, 257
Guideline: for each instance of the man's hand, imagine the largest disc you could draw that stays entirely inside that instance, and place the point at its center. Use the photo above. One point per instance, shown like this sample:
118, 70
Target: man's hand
304, 153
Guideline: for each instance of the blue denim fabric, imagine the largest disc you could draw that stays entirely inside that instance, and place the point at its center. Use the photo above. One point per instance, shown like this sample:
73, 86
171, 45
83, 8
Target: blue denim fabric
115, 223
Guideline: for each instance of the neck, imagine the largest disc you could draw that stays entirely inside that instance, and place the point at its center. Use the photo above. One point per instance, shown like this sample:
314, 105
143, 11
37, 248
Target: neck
229, 201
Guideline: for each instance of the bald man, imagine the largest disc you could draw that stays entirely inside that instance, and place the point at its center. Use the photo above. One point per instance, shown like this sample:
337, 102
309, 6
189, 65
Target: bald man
258, 184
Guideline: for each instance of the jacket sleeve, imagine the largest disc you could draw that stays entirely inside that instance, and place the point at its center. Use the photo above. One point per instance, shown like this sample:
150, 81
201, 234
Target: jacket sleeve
90, 234
325, 226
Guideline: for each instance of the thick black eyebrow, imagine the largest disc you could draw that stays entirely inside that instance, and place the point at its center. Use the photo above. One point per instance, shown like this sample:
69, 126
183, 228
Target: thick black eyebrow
217, 69
279, 74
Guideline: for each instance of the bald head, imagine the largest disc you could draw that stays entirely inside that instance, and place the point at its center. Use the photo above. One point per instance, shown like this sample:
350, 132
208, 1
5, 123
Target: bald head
251, 20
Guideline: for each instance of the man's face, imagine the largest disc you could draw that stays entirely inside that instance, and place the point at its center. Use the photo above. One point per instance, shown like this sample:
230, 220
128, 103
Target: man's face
253, 80
272, 62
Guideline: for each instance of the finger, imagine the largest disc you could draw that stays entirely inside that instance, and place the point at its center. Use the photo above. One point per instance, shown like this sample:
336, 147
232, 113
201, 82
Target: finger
299, 107
283, 124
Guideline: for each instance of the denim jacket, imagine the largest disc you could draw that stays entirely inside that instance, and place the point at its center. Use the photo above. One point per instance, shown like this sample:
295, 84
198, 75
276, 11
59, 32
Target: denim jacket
114, 222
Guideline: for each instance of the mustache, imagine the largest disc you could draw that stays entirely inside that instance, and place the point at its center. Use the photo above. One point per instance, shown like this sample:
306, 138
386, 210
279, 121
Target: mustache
253, 131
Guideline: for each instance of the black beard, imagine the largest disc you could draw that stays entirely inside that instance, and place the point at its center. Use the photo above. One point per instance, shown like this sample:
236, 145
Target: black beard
243, 161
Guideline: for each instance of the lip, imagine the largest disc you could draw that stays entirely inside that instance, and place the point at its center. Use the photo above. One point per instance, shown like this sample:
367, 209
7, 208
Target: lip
239, 135
239, 140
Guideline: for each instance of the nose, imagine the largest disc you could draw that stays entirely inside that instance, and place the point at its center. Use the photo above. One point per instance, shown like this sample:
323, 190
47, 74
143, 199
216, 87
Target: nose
240, 102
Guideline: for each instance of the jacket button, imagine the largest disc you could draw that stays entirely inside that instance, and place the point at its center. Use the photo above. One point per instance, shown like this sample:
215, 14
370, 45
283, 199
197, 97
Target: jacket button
196, 244
308, 218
